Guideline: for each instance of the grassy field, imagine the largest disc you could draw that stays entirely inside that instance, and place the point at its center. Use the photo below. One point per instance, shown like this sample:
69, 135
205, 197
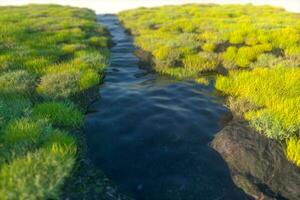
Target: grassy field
256, 49
48, 56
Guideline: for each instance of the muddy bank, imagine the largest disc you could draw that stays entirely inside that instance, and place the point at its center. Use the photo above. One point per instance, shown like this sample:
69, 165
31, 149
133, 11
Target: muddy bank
257, 164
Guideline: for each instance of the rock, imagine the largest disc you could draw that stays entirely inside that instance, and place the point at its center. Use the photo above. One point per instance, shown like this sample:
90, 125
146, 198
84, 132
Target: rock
257, 164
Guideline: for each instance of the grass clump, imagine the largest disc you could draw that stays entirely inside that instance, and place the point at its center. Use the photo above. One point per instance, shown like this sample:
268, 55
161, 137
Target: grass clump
39, 174
88, 79
95, 59
19, 81
70, 49
167, 57
49, 54
23, 130
202, 62
240, 106
99, 41
13, 106
59, 85
60, 114
209, 47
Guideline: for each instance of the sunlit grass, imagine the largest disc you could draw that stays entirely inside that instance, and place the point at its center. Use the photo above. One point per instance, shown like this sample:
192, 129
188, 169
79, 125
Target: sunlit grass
293, 150
238, 34
48, 55
276, 91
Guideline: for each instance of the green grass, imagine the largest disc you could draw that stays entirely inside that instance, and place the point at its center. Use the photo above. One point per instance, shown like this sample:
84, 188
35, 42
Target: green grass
258, 45
23, 130
12, 106
276, 94
237, 34
48, 55
39, 174
60, 114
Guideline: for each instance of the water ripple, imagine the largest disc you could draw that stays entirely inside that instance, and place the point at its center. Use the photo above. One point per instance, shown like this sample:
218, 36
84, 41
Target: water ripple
150, 134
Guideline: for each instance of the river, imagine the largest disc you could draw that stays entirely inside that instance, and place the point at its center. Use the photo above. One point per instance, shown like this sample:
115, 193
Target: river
150, 134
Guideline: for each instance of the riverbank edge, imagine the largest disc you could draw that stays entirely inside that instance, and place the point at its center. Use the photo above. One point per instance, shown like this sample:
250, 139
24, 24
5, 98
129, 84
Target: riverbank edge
87, 181
251, 184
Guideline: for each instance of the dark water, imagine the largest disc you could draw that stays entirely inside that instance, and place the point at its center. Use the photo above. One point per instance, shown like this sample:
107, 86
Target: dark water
150, 134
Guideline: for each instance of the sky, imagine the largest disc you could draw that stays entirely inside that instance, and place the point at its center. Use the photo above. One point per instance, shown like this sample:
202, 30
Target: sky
114, 6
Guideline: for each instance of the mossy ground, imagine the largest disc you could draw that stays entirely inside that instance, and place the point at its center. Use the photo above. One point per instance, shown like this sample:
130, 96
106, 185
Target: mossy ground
258, 45
48, 56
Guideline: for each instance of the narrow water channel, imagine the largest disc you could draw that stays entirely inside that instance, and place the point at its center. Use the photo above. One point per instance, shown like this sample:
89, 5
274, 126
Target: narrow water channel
150, 134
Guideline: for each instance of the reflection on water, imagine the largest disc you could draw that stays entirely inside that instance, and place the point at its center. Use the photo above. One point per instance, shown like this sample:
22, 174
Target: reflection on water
150, 134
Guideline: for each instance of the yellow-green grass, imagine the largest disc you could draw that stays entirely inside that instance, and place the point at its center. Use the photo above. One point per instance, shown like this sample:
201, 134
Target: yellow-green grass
190, 40
238, 35
48, 55
293, 150
276, 93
